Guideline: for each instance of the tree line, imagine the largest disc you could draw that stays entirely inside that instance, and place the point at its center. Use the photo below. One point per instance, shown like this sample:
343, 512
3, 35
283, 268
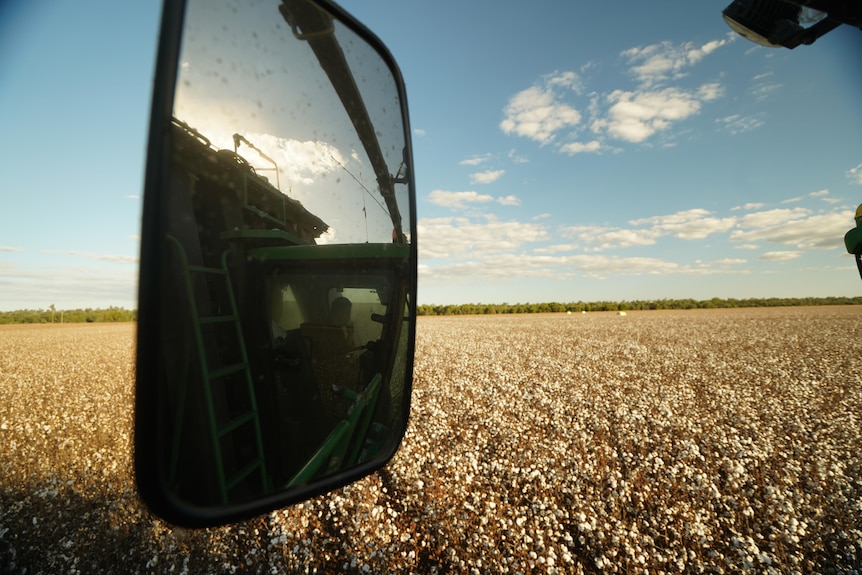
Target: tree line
118, 314
53, 315
580, 306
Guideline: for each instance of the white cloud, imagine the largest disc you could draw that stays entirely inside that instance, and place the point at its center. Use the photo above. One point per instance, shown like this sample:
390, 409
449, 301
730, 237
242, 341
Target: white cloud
568, 80
603, 264
709, 92
556, 248
789, 226
506, 266
543, 111
457, 200
573, 148
601, 238
460, 200
855, 174
731, 261
463, 237
487, 248
793, 227
764, 91
736, 124
110, 258
418, 132
795, 200
539, 113
635, 116
510, 265
771, 218
780, 256
115, 258
475, 160
692, 224
302, 162
486, 177
652, 266
665, 61
510, 200
748, 206
517, 158
68, 287
823, 195
10, 249
796, 227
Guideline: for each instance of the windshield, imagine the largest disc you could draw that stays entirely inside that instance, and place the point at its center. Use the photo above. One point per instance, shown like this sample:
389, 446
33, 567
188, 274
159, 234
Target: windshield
232, 93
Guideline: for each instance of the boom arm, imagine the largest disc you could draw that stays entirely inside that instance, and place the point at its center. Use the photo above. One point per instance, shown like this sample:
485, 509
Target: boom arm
315, 26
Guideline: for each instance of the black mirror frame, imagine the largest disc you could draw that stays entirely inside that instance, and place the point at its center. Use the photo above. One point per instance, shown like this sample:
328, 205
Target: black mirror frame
151, 487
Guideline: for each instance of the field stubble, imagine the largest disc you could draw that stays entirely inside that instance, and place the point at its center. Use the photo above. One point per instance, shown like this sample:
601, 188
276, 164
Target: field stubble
692, 441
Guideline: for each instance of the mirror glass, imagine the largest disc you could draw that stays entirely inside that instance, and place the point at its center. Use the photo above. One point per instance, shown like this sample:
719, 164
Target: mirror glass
287, 273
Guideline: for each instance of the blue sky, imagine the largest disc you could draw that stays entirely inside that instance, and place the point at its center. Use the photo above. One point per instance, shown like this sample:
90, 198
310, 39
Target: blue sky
564, 151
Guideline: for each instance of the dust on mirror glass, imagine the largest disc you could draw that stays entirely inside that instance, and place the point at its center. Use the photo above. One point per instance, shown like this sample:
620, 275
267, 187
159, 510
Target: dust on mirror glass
285, 291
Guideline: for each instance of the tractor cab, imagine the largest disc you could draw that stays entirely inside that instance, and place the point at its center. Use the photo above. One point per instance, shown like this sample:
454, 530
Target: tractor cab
280, 351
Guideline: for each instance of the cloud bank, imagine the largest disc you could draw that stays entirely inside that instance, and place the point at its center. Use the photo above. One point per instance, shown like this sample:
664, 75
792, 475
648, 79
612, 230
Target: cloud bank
554, 112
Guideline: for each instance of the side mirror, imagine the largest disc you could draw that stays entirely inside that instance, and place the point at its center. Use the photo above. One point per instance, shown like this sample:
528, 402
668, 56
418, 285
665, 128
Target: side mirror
277, 298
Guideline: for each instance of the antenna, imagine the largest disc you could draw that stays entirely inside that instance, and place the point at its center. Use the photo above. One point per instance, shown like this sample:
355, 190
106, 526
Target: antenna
364, 209
358, 181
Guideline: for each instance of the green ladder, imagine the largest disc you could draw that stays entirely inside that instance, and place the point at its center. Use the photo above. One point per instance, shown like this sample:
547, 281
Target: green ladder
223, 427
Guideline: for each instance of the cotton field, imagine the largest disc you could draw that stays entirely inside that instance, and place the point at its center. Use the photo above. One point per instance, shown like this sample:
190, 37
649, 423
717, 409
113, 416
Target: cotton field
715, 441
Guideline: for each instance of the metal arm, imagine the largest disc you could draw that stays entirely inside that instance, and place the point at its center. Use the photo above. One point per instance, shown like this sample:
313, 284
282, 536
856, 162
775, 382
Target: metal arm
313, 25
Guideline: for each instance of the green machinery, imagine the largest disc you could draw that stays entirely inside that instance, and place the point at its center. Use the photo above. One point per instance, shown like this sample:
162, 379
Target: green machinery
853, 240
266, 388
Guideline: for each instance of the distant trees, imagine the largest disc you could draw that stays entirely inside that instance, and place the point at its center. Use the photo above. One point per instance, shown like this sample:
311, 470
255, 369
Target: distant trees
53, 315
577, 307
118, 314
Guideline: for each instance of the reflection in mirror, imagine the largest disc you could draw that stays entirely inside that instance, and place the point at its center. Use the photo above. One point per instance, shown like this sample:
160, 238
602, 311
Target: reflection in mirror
287, 270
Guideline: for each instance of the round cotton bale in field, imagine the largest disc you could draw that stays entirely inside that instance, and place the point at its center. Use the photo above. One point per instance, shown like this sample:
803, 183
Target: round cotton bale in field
621, 313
